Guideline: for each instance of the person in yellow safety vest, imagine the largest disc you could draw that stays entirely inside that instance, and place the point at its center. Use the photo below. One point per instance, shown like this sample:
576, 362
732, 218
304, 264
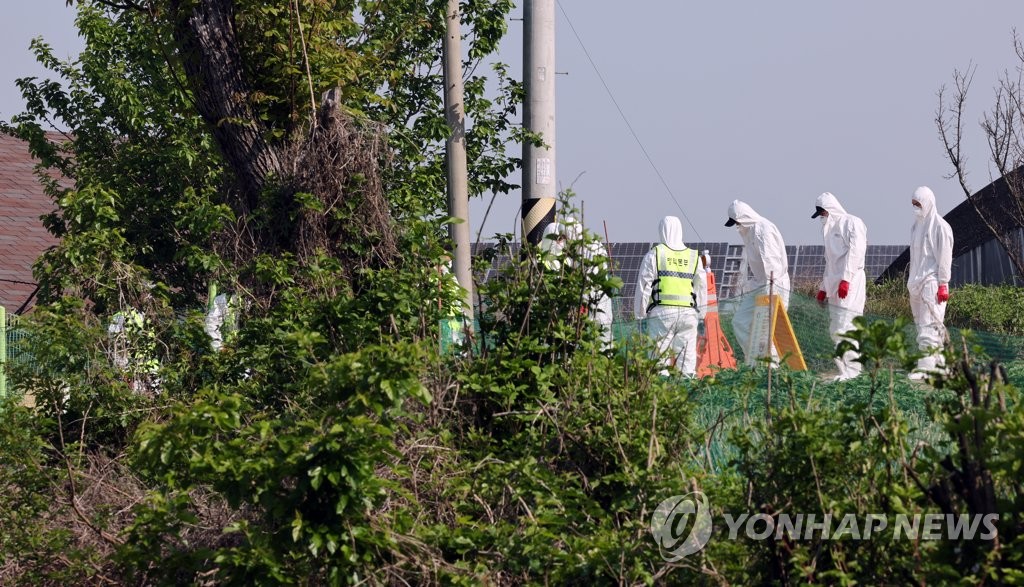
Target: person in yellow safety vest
671, 293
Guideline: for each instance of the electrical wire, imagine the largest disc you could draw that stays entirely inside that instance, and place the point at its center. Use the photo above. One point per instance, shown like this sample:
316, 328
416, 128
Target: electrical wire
626, 120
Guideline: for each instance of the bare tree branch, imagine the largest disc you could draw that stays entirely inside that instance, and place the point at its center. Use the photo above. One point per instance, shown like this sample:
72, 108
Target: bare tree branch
1003, 136
124, 5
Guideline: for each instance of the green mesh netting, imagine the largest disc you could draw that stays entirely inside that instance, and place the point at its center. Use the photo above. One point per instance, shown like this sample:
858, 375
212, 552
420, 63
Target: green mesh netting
810, 322
736, 398
732, 406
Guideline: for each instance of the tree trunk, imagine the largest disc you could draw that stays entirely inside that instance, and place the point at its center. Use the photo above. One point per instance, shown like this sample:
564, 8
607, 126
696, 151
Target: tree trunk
212, 63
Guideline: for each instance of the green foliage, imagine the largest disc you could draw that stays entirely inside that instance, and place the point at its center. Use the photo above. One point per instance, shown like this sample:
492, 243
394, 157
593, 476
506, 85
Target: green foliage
562, 447
308, 476
879, 344
869, 446
139, 175
28, 543
888, 299
982, 416
998, 309
328, 442
839, 461
302, 406
71, 380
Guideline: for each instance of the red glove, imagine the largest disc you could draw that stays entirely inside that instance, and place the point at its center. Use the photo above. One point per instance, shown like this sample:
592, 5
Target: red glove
844, 289
943, 295
821, 296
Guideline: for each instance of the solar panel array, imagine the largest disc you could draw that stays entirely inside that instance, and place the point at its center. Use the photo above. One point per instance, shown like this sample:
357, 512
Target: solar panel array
807, 262
879, 257
806, 265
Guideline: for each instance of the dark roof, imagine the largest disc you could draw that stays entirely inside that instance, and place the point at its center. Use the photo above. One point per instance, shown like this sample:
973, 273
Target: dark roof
969, 230
22, 236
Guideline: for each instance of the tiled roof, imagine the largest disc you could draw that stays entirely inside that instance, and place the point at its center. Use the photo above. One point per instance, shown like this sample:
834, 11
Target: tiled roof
22, 236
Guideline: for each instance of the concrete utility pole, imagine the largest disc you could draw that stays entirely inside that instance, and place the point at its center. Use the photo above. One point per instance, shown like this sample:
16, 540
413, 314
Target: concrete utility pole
539, 187
458, 179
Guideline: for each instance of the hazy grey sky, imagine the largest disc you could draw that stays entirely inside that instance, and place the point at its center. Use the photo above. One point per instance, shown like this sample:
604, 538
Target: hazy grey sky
24, 20
768, 102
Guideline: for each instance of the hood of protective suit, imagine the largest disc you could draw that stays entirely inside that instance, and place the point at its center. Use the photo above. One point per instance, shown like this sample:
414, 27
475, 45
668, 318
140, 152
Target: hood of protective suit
743, 214
836, 212
926, 198
670, 233
553, 230
829, 203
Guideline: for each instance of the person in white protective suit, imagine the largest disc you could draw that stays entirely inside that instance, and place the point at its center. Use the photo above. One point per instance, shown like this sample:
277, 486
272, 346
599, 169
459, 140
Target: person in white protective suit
844, 284
552, 243
598, 304
931, 260
671, 293
133, 349
765, 254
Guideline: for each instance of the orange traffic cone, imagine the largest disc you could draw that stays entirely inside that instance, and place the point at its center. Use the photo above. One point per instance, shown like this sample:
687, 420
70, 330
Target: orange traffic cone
714, 352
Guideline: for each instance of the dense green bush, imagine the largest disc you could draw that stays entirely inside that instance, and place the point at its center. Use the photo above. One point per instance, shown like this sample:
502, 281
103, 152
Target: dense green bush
996, 309
888, 299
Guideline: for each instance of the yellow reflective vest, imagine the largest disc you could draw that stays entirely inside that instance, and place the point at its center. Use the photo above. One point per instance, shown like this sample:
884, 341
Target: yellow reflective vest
674, 284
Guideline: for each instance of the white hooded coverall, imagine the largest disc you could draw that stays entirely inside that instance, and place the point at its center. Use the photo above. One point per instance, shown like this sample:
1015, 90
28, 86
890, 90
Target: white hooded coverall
765, 253
673, 327
846, 240
599, 305
931, 260
551, 245
215, 318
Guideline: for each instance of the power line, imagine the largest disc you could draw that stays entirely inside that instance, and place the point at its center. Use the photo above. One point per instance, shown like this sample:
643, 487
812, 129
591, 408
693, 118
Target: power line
626, 120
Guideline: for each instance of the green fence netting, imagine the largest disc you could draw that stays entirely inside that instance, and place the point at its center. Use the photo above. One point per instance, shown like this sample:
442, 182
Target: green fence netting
15, 347
810, 322
731, 404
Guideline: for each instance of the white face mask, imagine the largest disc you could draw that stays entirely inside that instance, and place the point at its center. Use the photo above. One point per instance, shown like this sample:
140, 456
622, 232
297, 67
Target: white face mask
918, 212
823, 219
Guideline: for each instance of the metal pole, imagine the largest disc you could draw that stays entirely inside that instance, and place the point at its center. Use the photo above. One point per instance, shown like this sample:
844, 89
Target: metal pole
458, 180
539, 187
